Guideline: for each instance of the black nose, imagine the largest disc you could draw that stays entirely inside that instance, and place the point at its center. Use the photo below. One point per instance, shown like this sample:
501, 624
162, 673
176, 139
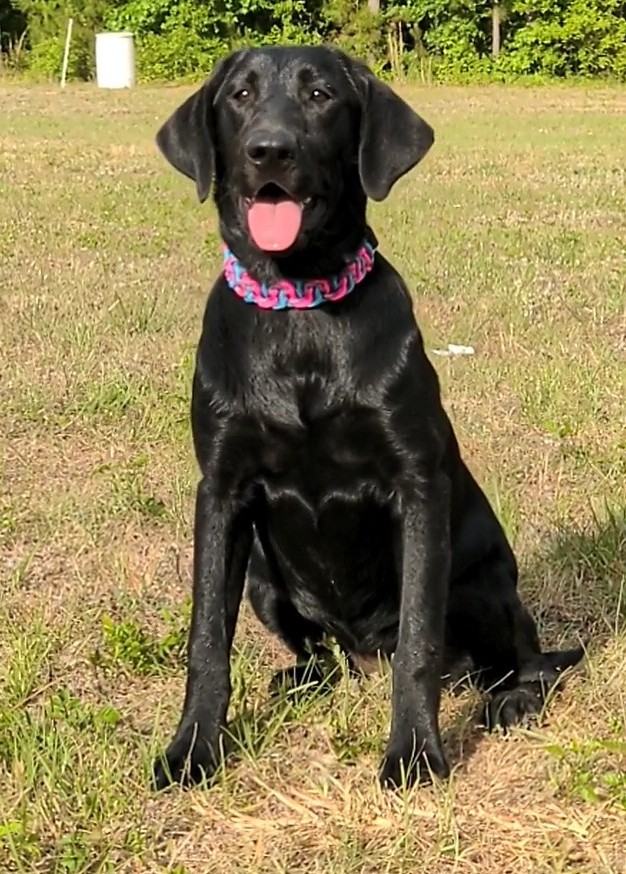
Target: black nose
265, 148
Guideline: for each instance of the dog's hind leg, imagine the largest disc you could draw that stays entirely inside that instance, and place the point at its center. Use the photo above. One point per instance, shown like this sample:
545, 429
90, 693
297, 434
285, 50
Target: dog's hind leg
487, 619
304, 638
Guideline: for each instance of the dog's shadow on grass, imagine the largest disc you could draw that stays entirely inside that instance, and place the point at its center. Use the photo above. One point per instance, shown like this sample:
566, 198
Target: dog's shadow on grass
578, 584
575, 588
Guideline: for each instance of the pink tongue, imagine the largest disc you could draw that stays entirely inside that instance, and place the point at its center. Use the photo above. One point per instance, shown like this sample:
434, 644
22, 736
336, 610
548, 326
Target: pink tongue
274, 225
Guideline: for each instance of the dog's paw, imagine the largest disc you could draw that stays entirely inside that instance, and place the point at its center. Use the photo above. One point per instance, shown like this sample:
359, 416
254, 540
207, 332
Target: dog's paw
189, 760
403, 766
513, 707
298, 680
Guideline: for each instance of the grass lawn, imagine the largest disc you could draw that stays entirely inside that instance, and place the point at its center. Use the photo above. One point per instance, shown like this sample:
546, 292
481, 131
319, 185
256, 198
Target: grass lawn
512, 235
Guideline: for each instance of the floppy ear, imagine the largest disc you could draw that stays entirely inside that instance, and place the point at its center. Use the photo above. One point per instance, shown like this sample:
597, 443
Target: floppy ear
393, 138
187, 139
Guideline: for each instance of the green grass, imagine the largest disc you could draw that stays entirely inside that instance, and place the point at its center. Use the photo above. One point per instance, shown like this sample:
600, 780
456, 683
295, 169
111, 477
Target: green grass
511, 236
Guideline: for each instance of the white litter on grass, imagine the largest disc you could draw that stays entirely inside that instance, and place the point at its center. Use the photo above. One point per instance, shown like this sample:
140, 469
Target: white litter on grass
453, 350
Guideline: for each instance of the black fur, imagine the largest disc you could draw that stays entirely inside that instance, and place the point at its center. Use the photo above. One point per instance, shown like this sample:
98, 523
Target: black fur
330, 472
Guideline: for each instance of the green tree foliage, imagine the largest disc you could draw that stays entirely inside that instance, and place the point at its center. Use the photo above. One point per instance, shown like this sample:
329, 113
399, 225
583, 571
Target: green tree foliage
566, 37
177, 38
46, 27
451, 38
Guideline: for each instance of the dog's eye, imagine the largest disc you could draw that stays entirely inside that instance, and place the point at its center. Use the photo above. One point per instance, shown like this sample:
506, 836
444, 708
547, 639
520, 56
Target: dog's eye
319, 96
242, 95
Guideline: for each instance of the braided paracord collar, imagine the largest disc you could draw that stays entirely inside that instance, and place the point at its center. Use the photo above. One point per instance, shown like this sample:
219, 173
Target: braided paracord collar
298, 293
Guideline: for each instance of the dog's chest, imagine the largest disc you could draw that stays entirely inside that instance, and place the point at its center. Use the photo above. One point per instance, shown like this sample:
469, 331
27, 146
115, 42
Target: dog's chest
328, 496
318, 429
326, 470
344, 449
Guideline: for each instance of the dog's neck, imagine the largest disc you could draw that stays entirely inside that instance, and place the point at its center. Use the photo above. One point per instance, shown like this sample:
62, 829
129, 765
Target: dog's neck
297, 293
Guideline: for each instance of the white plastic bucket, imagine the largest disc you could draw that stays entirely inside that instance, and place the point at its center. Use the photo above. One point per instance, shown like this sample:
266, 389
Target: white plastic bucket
115, 60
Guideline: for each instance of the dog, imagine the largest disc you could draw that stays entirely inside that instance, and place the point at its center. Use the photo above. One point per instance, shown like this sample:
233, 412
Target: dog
331, 478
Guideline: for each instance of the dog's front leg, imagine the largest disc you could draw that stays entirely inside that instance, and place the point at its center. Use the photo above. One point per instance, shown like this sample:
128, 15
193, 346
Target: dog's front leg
222, 542
414, 750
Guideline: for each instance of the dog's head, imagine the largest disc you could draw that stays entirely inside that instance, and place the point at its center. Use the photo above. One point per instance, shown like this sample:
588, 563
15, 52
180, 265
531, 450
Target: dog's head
294, 140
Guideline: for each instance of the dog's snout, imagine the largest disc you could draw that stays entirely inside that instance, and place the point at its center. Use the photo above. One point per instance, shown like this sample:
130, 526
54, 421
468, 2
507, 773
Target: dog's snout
265, 148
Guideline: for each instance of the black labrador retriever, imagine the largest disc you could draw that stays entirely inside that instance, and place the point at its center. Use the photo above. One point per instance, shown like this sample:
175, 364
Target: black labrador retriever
331, 476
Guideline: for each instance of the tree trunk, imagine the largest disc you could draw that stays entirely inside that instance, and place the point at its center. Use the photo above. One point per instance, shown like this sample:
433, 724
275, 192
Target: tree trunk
373, 6
495, 29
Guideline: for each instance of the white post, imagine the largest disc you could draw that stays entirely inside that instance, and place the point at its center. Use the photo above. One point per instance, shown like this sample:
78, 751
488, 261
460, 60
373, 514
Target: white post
495, 29
66, 54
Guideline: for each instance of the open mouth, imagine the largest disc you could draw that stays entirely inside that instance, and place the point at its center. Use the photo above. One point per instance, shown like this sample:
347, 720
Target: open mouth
274, 217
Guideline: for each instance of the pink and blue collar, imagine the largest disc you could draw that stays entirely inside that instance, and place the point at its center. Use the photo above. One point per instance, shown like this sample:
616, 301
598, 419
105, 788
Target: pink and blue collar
299, 294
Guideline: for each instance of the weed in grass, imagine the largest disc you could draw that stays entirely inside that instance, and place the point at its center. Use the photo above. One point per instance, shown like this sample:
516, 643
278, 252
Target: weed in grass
63, 756
126, 645
258, 715
503, 502
24, 673
107, 398
594, 770
7, 522
18, 844
148, 314
127, 493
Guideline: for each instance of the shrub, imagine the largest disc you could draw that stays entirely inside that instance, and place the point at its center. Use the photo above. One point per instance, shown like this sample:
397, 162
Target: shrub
450, 40
567, 38
47, 26
180, 38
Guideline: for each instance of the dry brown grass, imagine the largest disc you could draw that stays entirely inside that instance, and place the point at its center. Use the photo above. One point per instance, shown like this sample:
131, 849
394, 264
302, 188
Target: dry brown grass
512, 236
